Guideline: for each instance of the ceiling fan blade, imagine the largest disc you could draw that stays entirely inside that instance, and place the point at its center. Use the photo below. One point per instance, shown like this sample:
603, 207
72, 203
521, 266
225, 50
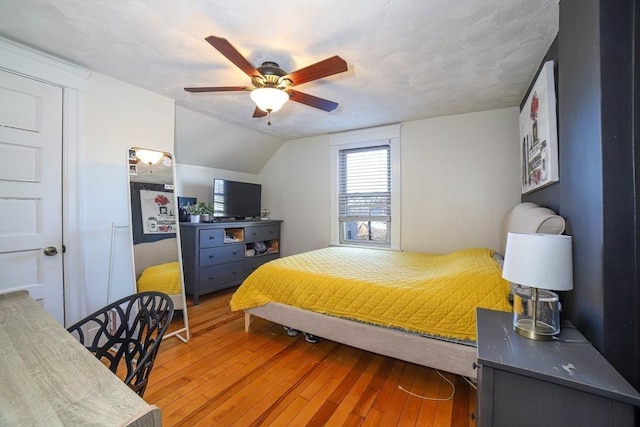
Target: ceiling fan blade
312, 101
217, 89
258, 113
327, 67
232, 54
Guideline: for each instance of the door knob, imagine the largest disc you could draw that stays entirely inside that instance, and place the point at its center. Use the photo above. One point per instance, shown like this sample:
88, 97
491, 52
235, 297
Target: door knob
50, 251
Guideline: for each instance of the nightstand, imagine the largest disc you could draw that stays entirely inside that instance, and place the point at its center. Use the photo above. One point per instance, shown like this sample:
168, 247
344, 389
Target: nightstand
565, 382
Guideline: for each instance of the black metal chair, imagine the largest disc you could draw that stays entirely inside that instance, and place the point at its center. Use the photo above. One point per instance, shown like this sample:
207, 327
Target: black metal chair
128, 330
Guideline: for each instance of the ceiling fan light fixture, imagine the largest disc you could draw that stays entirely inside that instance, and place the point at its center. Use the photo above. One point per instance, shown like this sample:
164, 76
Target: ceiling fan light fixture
269, 99
149, 157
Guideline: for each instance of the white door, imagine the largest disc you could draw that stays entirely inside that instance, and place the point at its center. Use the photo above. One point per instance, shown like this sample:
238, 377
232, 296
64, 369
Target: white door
31, 190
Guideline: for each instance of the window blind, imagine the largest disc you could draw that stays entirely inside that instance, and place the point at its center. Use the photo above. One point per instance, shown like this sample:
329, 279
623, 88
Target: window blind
365, 184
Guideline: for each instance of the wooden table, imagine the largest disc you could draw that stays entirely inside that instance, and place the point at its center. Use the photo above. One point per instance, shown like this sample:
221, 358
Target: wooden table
48, 378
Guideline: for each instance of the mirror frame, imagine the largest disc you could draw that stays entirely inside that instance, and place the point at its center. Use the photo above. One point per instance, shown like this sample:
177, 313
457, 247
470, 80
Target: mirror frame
136, 226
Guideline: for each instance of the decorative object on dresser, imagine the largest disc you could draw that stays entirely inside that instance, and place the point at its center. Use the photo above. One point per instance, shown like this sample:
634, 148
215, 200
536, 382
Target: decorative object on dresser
535, 261
221, 255
559, 383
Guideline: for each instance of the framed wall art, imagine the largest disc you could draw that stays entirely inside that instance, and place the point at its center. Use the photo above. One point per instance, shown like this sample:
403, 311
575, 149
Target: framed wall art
539, 133
153, 212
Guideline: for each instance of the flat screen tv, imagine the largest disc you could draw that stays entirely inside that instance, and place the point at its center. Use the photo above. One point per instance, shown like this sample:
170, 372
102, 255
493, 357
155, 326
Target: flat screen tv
233, 199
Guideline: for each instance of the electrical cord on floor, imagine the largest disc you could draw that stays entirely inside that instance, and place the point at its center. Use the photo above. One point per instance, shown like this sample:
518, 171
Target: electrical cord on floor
436, 399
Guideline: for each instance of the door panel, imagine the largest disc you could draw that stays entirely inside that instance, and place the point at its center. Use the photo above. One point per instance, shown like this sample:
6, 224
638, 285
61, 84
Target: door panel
31, 190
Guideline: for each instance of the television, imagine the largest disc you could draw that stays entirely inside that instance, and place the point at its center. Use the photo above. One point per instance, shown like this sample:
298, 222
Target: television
233, 199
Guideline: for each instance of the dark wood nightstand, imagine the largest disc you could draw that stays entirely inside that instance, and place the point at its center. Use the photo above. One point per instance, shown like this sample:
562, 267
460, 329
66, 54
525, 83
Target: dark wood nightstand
565, 382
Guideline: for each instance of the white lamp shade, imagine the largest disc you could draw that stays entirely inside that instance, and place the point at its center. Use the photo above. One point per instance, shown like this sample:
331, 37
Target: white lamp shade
269, 99
539, 261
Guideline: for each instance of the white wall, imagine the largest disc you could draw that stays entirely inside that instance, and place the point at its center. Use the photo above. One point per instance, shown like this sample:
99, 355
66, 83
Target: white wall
295, 187
118, 116
460, 175
197, 181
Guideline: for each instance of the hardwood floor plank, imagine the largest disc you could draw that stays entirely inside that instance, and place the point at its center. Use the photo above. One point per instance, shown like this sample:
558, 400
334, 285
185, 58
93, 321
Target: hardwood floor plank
395, 405
301, 372
224, 376
374, 418
428, 406
460, 412
347, 403
411, 410
315, 411
444, 408
274, 383
288, 414
285, 409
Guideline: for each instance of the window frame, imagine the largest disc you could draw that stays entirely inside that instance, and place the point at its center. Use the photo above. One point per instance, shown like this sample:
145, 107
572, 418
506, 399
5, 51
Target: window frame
384, 135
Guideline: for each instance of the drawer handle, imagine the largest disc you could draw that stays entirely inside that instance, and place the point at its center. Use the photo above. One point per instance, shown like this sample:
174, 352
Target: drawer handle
211, 278
211, 257
211, 238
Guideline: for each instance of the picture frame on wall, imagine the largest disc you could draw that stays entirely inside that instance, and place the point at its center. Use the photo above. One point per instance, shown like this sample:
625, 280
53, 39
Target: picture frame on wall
157, 212
539, 133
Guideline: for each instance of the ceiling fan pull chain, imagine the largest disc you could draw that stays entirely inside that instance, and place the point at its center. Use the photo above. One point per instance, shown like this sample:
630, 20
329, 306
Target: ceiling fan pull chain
269, 117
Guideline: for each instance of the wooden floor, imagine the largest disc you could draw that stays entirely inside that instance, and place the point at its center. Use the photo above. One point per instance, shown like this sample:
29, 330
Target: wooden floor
226, 377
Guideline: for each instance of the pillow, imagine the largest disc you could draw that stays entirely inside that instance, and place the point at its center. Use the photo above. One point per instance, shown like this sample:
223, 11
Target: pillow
528, 217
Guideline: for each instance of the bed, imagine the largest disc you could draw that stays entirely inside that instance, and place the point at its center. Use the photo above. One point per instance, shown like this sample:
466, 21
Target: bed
335, 293
157, 269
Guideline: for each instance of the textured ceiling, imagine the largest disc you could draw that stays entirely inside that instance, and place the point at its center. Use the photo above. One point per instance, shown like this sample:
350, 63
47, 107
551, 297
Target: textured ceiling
407, 59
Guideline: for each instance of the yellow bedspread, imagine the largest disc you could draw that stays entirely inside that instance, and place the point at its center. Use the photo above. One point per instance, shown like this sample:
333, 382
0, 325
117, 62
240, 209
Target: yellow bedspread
425, 293
162, 277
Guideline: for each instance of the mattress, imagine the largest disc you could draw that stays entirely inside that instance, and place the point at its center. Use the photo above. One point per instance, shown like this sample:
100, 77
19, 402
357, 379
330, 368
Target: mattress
428, 294
162, 278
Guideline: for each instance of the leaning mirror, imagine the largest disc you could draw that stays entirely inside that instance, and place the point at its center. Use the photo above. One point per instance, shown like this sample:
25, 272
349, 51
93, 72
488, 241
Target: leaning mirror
157, 260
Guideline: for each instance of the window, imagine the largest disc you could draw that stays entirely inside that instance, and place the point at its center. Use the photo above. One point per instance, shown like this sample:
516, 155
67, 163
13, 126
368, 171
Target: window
365, 190
364, 196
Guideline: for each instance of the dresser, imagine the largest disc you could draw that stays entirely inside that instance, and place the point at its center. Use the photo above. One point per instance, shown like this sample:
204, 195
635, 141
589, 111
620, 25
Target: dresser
220, 255
565, 382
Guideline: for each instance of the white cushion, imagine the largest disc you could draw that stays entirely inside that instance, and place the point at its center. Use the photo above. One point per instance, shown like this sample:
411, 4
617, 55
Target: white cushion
528, 217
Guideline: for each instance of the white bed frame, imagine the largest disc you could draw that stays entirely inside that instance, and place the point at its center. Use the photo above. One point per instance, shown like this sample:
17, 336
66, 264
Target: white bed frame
444, 355
431, 352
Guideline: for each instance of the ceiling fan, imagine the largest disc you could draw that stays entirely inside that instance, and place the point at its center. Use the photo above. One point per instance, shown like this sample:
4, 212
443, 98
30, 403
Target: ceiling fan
272, 86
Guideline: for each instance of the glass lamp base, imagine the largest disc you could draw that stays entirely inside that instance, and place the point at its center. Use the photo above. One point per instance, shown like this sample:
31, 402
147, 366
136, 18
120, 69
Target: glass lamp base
536, 313
541, 332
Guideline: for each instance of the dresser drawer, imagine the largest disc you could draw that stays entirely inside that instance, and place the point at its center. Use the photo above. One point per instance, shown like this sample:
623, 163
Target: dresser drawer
212, 277
221, 255
252, 263
253, 234
211, 237
270, 232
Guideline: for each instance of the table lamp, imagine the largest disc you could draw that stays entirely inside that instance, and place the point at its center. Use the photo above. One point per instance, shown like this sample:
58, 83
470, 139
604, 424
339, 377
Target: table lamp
538, 264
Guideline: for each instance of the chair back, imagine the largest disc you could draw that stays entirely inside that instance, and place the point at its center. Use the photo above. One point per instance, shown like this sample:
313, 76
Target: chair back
128, 333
